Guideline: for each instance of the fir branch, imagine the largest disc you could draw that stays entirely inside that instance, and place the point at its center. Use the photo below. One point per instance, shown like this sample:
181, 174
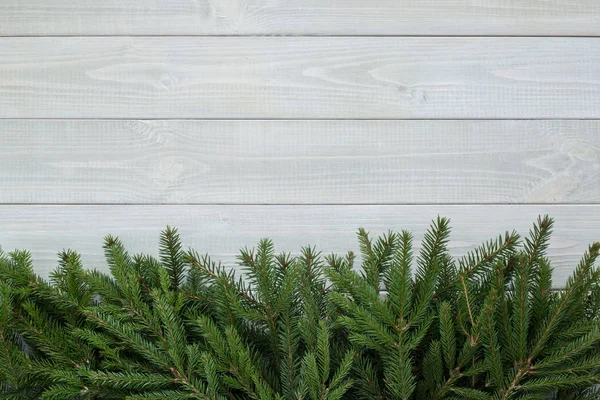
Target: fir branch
171, 256
400, 381
376, 258
521, 312
217, 276
488, 326
447, 335
573, 285
398, 279
482, 258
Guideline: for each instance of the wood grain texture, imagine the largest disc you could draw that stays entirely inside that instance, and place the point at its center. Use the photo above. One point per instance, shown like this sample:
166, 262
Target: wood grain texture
299, 17
273, 77
222, 230
354, 161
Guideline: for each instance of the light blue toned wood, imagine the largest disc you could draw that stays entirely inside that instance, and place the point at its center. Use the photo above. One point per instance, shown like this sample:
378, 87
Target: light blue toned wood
299, 162
300, 17
303, 78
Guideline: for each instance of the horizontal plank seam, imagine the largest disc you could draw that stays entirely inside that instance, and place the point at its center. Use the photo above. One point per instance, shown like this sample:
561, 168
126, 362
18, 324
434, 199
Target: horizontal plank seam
305, 204
303, 36
290, 119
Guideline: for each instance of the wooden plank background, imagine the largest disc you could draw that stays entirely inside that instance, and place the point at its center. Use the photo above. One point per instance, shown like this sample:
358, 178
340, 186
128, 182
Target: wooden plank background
300, 119
307, 77
300, 17
300, 161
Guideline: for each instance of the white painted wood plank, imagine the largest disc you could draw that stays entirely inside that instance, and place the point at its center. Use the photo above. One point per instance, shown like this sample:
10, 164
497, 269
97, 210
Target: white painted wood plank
273, 77
299, 17
222, 230
315, 162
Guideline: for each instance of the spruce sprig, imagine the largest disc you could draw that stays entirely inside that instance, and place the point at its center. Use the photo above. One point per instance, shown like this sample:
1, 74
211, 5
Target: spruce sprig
488, 325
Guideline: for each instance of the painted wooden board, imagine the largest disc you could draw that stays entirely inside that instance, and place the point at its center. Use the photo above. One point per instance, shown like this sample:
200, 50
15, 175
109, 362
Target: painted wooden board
299, 162
222, 230
299, 17
310, 77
